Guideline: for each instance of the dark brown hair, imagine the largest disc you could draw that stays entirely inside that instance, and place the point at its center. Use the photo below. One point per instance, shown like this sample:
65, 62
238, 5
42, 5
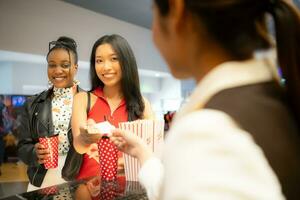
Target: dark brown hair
239, 27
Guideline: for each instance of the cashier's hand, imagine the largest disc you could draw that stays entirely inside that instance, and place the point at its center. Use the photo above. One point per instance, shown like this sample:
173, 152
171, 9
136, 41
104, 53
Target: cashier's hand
129, 143
41, 152
89, 134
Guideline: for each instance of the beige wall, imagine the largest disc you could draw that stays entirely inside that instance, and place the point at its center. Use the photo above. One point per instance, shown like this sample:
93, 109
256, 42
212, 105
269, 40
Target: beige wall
27, 26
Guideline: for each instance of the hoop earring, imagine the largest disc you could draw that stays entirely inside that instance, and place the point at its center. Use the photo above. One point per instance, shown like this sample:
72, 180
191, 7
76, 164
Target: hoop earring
50, 84
76, 82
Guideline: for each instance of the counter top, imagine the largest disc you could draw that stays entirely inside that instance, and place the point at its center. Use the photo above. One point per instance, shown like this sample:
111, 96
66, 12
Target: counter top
87, 189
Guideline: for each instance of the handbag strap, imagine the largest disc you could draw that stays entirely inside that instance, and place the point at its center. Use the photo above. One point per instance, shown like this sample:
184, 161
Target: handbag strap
88, 102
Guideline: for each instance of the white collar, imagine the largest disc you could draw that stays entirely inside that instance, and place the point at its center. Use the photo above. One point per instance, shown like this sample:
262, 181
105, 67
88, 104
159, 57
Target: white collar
232, 74
63, 92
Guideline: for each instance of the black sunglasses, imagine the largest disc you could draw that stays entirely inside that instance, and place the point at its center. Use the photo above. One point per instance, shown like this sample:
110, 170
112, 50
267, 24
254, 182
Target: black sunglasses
53, 44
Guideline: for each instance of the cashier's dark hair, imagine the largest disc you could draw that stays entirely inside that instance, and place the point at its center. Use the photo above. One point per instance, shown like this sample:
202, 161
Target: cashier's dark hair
130, 83
239, 27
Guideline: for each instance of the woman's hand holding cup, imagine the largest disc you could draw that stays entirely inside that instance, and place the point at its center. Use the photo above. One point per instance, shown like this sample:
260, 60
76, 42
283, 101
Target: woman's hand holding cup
41, 152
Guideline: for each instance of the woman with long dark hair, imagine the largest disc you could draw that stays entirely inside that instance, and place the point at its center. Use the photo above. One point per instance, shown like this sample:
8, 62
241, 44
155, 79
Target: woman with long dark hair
49, 113
115, 96
238, 135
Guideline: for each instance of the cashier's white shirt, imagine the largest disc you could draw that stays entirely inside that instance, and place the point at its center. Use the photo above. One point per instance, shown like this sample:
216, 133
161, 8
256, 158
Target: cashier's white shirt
207, 156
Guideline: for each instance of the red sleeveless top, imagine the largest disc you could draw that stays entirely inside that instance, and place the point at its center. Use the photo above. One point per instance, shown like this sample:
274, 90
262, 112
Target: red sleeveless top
99, 112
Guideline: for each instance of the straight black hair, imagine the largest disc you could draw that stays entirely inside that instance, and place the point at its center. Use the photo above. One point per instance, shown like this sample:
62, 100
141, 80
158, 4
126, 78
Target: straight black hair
239, 27
130, 84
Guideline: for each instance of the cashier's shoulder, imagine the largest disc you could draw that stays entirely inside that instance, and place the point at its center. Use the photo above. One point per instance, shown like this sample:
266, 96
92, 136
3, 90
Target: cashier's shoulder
204, 123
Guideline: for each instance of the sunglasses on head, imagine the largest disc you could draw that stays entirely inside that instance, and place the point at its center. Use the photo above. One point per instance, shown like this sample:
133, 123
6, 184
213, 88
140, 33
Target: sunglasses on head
53, 44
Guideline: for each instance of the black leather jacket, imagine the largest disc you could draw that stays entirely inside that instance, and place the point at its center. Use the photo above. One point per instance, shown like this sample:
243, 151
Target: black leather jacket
36, 121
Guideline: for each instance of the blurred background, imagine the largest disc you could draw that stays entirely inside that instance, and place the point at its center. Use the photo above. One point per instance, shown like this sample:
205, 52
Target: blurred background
26, 27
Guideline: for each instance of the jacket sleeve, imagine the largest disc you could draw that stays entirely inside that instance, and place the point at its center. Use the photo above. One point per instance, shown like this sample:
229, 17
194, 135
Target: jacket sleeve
26, 151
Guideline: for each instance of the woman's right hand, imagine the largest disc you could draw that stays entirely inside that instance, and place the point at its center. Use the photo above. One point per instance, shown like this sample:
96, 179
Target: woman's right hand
41, 152
89, 134
129, 143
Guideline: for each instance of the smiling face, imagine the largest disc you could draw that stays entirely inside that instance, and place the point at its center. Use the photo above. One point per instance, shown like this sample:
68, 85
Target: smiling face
107, 66
61, 70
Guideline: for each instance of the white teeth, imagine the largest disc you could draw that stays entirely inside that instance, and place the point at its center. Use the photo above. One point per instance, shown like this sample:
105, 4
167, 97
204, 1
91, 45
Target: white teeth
59, 78
108, 75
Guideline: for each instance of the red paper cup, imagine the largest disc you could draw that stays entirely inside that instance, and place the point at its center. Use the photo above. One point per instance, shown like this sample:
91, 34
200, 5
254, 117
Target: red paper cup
51, 143
108, 157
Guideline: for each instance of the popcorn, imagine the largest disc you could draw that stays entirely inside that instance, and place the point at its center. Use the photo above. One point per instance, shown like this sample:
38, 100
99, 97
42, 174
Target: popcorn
152, 133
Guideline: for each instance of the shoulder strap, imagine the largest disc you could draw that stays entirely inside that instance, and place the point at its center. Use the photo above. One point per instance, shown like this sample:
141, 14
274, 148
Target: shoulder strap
88, 102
